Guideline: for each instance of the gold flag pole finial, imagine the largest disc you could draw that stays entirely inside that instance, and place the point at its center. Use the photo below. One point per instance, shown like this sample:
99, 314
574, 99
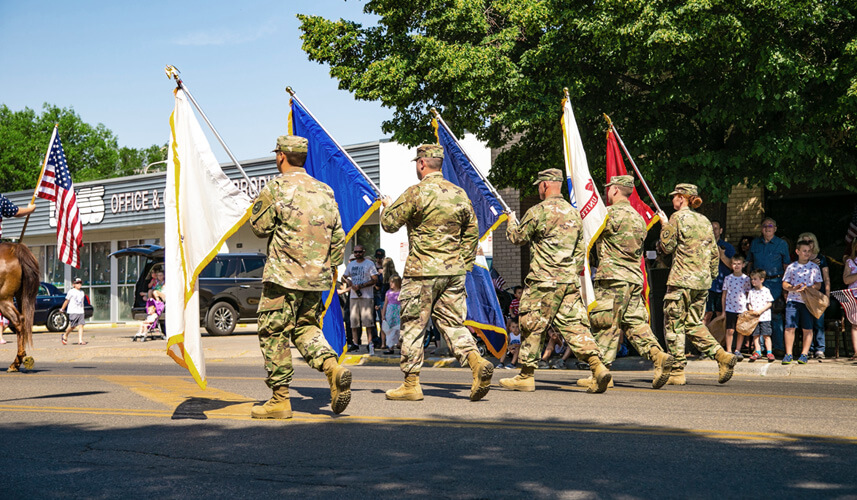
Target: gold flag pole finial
609, 121
291, 91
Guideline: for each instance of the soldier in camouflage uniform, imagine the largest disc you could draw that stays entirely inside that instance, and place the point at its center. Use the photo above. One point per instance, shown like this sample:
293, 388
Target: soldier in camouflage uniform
695, 264
442, 238
619, 284
554, 229
300, 218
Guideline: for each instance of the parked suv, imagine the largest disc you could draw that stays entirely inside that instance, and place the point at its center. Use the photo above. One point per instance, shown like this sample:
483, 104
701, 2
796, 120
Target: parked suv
229, 287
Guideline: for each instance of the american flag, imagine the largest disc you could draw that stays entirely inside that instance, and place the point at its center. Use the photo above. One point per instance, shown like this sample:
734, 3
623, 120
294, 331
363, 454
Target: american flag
852, 229
56, 186
848, 301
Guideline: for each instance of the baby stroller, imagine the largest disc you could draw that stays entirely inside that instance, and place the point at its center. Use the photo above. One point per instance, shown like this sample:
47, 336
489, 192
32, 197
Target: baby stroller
154, 308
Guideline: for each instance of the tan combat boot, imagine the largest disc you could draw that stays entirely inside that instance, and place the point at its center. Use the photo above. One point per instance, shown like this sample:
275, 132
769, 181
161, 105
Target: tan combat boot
663, 363
278, 406
524, 381
600, 374
586, 382
676, 376
482, 371
339, 379
408, 391
726, 362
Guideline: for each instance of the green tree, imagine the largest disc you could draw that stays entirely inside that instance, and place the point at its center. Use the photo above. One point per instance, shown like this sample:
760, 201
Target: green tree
705, 91
92, 152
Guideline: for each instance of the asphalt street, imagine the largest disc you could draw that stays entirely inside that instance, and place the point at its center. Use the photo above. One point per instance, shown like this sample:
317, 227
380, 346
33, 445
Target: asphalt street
127, 423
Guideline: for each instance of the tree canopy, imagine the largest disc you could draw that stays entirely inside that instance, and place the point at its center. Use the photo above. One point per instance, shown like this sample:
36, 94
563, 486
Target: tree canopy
92, 152
705, 91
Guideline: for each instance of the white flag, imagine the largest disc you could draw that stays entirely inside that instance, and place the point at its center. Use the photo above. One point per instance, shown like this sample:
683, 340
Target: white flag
203, 209
583, 194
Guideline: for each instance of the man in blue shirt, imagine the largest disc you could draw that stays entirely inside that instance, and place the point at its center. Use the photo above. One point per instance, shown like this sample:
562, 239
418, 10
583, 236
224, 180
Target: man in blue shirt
714, 304
9, 209
771, 254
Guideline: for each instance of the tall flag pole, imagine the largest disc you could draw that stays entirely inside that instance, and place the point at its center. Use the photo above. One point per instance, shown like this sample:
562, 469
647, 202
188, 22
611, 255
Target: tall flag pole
39, 182
616, 166
583, 194
56, 186
356, 195
633, 164
203, 208
484, 313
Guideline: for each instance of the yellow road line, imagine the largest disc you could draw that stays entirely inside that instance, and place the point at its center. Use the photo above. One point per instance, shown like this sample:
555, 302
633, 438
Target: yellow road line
174, 391
234, 414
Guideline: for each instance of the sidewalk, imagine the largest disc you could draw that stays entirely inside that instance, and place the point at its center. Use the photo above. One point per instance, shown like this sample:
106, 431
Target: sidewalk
109, 343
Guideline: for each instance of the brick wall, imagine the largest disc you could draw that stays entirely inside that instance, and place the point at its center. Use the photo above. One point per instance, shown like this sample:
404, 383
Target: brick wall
512, 261
744, 212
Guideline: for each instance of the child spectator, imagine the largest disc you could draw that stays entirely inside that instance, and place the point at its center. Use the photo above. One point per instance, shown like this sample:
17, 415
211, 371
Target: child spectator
391, 314
75, 302
734, 302
555, 346
818, 340
514, 344
151, 318
798, 276
759, 302
849, 277
516, 302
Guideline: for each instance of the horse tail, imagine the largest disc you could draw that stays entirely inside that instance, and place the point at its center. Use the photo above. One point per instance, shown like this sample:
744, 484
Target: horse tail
29, 290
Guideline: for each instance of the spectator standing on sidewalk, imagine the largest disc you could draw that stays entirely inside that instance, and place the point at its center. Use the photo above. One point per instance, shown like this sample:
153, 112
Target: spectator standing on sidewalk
849, 277
818, 341
74, 302
800, 275
362, 276
771, 254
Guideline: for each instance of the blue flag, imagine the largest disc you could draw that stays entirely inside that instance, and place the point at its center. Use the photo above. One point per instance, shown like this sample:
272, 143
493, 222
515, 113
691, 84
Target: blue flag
354, 194
458, 170
484, 313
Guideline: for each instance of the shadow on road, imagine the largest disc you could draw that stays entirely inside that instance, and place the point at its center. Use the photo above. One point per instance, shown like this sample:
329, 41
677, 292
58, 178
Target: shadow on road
440, 458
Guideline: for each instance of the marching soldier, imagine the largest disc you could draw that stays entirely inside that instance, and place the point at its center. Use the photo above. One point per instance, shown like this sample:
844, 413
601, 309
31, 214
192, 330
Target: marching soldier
619, 284
300, 218
442, 237
695, 264
554, 230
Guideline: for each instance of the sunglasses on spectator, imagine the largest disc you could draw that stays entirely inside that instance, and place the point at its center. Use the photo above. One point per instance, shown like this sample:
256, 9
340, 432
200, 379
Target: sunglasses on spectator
359, 251
769, 225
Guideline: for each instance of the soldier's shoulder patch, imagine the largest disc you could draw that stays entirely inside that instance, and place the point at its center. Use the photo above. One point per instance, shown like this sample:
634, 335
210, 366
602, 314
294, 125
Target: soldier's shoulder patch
256, 207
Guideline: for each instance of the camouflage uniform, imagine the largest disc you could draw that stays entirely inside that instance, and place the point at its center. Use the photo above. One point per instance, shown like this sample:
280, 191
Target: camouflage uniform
300, 217
442, 237
695, 264
554, 230
619, 283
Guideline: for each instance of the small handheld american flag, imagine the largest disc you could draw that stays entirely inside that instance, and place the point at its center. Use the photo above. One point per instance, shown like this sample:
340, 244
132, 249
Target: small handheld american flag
56, 186
848, 300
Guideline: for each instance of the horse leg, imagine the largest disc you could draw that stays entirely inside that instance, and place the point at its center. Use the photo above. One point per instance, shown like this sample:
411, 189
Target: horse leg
8, 310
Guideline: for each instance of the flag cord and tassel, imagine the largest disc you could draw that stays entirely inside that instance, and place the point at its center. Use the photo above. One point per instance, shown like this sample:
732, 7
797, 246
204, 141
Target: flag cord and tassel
39, 182
291, 93
439, 118
633, 164
173, 72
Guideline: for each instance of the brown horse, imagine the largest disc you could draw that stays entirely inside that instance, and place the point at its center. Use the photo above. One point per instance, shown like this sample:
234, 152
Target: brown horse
19, 280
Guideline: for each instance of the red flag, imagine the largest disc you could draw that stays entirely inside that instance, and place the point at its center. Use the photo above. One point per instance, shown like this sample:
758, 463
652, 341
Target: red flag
616, 166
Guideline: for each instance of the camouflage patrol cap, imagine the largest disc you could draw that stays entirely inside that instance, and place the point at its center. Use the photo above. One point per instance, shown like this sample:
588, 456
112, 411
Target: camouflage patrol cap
291, 144
687, 189
549, 175
621, 180
429, 151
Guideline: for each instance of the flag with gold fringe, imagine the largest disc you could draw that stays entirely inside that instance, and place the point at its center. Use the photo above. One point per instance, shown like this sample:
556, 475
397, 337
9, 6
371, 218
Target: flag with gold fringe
583, 195
356, 196
484, 314
203, 208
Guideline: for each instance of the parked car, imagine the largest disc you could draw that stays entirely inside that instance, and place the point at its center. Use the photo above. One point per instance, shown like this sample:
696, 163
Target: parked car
229, 287
48, 308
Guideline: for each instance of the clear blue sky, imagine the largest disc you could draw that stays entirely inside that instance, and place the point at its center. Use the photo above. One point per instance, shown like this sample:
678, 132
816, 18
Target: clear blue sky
106, 60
